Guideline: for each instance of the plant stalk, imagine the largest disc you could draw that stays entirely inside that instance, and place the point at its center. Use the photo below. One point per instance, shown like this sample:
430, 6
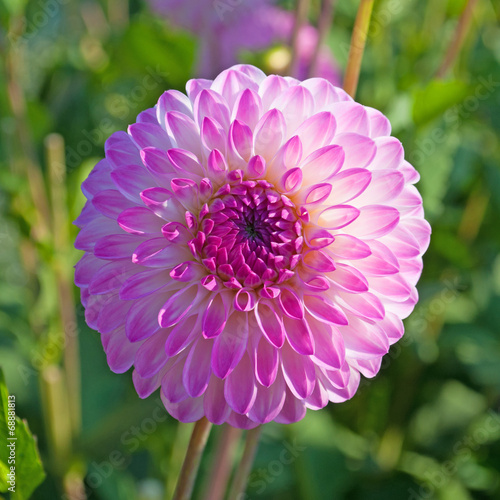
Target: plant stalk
301, 13
222, 462
243, 472
191, 463
324, 23
357, 48
458, 39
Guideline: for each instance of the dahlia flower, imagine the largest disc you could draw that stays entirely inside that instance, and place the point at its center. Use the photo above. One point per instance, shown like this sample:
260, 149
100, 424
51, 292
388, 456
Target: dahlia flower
224, 28
251, 247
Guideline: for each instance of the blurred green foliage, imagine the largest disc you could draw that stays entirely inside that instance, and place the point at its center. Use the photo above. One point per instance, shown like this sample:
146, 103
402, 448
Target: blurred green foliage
428, 425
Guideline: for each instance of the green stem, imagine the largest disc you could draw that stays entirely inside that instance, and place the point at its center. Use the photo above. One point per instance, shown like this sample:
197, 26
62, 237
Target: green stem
358, 41
221, 464
458, 39
243, 472
191, 463
54, 145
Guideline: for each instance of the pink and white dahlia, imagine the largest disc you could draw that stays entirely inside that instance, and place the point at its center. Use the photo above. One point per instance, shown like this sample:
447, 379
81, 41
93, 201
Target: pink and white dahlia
251, 248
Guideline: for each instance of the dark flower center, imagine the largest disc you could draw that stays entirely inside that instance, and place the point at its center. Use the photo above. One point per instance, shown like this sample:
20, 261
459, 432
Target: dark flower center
249, 234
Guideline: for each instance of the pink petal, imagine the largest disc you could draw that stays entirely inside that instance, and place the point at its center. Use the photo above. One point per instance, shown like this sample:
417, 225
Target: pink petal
111, 314
145, 386
291, 304
336, 217
349, 247
322, 164
297, 104
86, 268
215, 316
158, 252
272, 87
189, 410
363, 340
150, 357
350, 116
379, 124
266, 362
121, 150
318, 398
172, 100
195, 86
186, 163
269, 401
116, 246
318, 238
317, 131
393, 327
287, 157
158, 164
214, 403
230, 345
394, 287
183, 132
120, 352
269, 134
389, 154
324, 92
110, 203
248, 108
149, 134
385, 186
142, 318
381, 262
359, 150
292, 411
318, 261
213, 135
111, 276
162, 203
365, 305
178, 305
240, 390
182, 335
230, 83
171, 385
329, 345
374, 221
298, 371
240, 143
348, 185
139, 220
94, 231
299, 335
348, 278
131, 180
144, 283
209, 104
270, 323
197, 371
314, 195
324, 310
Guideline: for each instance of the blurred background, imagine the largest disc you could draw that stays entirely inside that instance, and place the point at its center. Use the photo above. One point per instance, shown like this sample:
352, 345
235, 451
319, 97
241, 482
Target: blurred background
73, 72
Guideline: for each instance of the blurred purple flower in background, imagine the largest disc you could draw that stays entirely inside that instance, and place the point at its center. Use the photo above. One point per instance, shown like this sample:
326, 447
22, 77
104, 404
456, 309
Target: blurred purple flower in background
227, 27
224, 27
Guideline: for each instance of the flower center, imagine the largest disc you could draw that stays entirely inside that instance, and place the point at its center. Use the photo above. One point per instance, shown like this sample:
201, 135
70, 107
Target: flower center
249, 235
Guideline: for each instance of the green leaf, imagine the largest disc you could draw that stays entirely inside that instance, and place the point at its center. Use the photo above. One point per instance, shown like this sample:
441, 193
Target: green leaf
434, 99
4, 470
28, 470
